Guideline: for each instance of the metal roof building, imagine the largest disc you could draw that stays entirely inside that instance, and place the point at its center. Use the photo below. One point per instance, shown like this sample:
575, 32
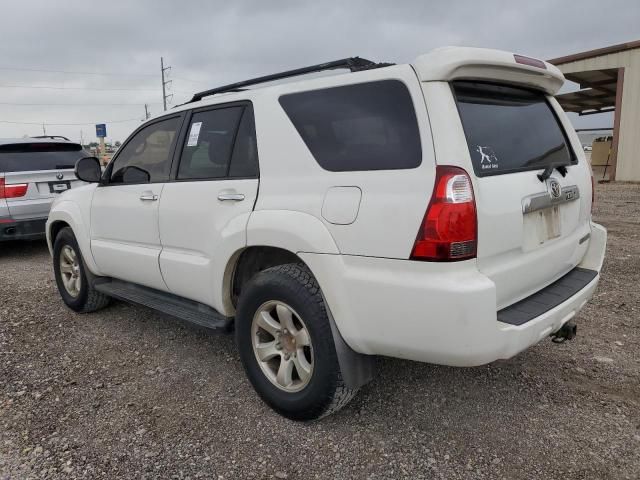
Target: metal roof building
609, 80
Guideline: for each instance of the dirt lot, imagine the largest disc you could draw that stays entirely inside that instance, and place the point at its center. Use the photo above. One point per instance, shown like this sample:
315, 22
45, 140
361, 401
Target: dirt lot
128, 393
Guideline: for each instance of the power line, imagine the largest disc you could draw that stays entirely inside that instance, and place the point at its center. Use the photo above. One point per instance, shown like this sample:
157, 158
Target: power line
53, 87
78, 104
20, 69
192, 81
105, 74
70, 124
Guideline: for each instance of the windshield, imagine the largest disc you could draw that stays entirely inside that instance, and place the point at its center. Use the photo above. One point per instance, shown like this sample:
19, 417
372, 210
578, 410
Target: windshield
510, 129
28, 157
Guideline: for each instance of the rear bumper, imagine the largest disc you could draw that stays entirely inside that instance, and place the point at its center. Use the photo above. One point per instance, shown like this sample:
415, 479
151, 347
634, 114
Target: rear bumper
436, 313
31, 229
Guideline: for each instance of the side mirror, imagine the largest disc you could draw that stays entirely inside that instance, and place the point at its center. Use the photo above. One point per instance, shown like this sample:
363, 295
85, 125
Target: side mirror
88, 169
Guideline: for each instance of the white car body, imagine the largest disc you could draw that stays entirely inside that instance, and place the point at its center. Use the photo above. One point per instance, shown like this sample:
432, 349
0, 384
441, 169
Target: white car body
356, 230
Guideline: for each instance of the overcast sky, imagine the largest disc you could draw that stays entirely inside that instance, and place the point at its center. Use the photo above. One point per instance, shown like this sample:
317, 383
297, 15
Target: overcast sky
113, 47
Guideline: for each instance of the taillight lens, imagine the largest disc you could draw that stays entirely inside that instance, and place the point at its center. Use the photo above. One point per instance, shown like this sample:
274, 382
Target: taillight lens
12, 191
449, 230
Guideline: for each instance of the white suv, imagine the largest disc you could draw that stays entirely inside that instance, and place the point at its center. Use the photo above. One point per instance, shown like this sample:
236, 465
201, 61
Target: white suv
438, 212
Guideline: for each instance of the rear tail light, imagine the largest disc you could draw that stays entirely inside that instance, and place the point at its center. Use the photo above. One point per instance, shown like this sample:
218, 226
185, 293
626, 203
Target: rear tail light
12, 191
449, 229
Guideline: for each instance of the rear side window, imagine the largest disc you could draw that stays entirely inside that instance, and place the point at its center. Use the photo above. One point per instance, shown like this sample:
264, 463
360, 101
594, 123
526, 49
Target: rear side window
368, 126
510, 129
244, 162
28, 157
209, 143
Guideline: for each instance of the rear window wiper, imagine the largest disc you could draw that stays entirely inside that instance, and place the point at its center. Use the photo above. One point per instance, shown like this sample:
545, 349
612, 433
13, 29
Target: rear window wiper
562, 169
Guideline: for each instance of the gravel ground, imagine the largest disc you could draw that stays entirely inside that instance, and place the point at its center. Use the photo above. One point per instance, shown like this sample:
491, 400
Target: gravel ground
128, 393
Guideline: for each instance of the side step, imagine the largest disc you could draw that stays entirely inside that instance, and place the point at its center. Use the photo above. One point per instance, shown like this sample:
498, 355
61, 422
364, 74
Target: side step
187, 310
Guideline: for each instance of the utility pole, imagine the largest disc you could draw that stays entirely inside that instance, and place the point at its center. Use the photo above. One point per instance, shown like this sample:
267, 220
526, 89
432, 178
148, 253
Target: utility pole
44, 130
146, 112
164, 83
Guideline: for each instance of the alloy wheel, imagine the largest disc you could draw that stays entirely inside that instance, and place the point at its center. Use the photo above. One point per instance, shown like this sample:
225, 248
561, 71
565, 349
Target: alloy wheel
282, 346
70, 271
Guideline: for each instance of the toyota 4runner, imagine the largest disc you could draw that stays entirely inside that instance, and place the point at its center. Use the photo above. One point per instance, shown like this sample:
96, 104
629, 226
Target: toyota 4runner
438, 212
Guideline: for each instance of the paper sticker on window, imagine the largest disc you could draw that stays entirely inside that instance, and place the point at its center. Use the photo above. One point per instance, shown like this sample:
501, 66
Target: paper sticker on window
194, 134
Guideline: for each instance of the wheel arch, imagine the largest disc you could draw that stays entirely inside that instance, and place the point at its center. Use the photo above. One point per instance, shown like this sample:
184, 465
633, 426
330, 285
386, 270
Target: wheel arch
53, 230
357, 369
68, 214
273, 237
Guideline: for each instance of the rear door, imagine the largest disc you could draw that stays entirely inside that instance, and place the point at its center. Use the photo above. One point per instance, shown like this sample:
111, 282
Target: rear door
531, 230
205, 210
37, 172
125, 240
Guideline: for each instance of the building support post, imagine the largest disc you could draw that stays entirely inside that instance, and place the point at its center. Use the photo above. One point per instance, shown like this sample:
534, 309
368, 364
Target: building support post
616, 125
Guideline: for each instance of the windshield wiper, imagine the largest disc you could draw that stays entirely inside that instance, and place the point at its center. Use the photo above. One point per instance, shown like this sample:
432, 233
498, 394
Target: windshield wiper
562, 169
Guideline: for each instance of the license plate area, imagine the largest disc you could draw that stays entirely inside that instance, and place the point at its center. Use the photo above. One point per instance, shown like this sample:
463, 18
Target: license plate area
59, 187
541, 226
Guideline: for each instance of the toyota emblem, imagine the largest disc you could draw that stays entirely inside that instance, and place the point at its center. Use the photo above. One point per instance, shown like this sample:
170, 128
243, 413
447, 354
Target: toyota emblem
59, 176
554, 188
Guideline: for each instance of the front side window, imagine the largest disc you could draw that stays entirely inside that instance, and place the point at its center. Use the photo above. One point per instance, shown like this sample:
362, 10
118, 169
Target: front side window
147, 156
209, 143
510, 129
367, 126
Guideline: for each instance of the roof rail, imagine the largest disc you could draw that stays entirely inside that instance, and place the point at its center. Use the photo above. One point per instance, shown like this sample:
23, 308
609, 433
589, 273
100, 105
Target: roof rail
352, 63
52, 137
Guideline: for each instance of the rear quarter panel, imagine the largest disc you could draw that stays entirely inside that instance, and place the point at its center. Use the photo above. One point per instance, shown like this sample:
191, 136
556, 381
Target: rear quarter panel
393, 202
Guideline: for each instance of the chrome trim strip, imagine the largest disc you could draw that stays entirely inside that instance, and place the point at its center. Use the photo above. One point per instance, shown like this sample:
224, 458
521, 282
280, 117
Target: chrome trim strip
540, 201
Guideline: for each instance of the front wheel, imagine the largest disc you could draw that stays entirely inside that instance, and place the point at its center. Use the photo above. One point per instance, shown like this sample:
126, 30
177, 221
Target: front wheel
72, 277
286, 345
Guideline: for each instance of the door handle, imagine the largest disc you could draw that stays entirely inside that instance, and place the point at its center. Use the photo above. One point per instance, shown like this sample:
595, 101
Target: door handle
231, 197
148, 197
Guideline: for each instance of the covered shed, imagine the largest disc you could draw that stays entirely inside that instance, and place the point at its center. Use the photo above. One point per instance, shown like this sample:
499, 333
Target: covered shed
609, 80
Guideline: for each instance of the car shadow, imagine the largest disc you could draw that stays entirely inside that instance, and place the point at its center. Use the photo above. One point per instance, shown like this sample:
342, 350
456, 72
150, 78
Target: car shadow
15, 248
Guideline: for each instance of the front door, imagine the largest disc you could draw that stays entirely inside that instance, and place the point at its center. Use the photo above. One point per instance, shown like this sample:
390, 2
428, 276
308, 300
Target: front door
125, 240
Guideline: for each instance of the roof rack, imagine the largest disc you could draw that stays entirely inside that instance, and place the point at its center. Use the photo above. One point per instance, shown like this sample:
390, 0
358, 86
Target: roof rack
354, 64
52, 137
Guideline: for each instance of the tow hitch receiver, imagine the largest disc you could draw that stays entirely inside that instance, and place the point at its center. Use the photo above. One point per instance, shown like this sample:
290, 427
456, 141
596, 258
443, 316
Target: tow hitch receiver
567, 332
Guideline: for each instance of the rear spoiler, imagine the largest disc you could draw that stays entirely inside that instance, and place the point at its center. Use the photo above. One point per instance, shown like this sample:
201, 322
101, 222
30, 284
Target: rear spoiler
465, 63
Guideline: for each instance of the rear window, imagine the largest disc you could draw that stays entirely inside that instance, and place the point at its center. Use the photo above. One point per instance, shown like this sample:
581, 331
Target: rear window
27, 157
368, 126
510, 129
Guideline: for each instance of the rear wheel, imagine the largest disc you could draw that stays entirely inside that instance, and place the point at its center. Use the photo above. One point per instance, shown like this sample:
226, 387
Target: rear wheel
286, 345
72, 278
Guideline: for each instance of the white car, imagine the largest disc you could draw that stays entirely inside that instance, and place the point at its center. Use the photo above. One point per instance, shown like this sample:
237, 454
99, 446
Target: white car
438, 212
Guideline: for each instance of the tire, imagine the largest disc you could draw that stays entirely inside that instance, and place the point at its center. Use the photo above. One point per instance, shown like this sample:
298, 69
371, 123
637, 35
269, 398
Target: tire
82, 297
309, 396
